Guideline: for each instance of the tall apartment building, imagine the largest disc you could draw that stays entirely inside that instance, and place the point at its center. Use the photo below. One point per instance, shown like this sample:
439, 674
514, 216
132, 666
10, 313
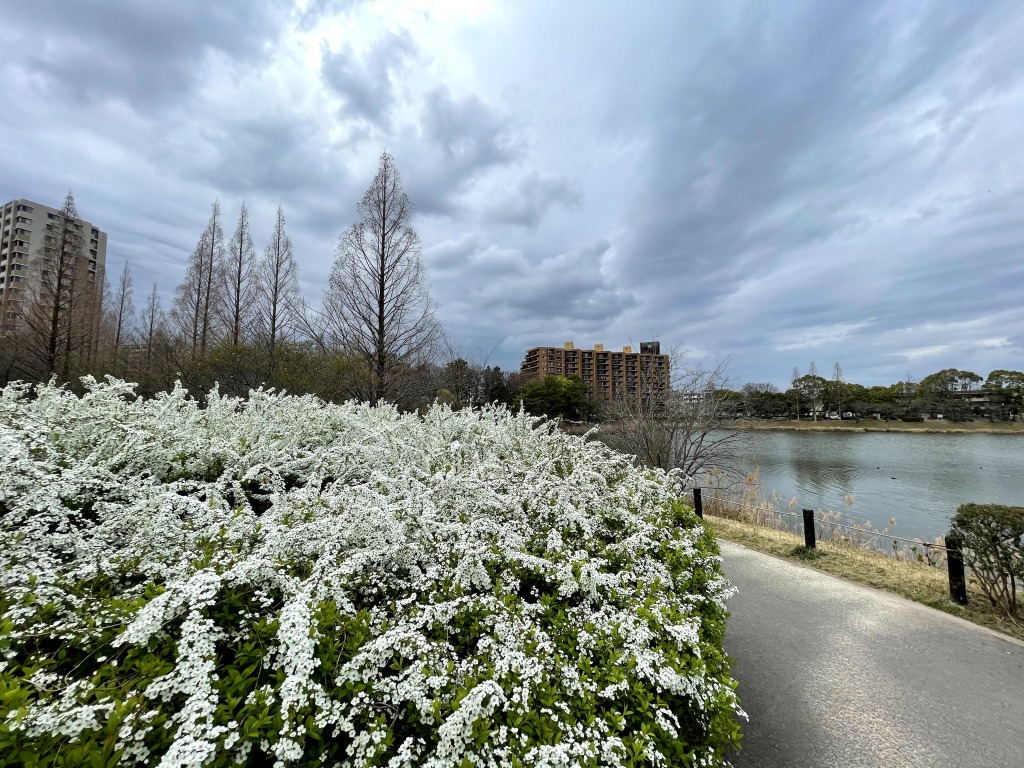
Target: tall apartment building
24, 230
607, 373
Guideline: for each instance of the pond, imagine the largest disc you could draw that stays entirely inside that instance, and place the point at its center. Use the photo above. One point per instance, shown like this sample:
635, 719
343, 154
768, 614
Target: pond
917, 478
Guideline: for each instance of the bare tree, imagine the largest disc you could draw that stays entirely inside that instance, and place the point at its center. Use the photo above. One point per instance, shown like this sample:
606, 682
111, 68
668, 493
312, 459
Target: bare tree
377, 305
122, 316
151, 322
14, 347
97, 296
837, 383
237, 285
187, 309
681, 428
813, 387
151, 345
193, 310
278, 299
52, 309
793, 379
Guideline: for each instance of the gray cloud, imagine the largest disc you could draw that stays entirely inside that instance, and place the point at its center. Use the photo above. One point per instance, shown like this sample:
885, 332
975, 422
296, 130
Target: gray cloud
789, 136
265, 154
458, 141
141, 53
767, 181
316, 10
533, 196
367, 84
482, 283
770, 183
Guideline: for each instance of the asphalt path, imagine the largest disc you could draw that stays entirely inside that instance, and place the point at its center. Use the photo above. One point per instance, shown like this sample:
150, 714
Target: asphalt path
832, 673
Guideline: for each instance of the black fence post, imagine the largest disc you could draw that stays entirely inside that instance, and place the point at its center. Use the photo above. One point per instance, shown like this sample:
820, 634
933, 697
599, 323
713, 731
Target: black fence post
698, 504
809, 539
955, 566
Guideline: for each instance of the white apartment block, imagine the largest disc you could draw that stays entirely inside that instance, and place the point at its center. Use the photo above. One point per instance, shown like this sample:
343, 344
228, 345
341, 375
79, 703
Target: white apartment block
23, 229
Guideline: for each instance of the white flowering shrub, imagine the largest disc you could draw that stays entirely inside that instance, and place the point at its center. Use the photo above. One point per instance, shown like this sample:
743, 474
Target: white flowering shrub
277, 581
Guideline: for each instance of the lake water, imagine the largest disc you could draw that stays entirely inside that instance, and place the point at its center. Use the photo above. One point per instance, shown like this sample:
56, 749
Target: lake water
918, 479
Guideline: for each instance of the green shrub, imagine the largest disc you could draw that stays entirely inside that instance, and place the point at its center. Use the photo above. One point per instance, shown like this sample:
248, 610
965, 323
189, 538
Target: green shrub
992, 537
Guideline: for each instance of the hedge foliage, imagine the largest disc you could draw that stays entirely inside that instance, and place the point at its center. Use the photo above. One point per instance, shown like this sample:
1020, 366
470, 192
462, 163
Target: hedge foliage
992, 537
277, 581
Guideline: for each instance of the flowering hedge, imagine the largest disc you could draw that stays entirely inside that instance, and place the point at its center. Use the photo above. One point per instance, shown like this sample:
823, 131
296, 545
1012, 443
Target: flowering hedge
280, 581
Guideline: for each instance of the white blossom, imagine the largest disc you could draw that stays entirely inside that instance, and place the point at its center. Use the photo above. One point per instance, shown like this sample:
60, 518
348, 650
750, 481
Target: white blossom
129, 524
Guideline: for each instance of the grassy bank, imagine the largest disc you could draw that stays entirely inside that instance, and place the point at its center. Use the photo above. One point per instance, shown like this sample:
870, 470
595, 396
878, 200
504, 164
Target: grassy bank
916, 581
874, 425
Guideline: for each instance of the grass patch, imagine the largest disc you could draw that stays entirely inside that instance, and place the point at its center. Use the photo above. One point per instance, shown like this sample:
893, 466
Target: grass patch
920, 582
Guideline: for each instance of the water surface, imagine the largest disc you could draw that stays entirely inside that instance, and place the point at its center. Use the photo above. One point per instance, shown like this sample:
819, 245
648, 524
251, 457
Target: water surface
917, 478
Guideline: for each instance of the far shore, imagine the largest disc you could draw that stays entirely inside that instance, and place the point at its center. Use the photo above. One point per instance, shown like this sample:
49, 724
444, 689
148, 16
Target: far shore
932, 426
935, 426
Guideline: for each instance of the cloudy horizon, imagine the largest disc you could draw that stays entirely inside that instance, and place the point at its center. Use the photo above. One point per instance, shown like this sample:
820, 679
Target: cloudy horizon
763, 184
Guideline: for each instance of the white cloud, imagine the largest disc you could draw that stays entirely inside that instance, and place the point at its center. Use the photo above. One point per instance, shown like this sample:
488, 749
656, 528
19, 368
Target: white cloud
922, 353
817, 336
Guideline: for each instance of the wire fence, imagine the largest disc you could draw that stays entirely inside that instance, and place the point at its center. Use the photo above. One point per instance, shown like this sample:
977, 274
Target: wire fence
869, 531
951, 550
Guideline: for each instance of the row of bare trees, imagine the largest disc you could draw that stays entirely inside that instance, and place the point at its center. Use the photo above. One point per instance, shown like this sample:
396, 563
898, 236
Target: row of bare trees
231, 297
238, 318
231, 305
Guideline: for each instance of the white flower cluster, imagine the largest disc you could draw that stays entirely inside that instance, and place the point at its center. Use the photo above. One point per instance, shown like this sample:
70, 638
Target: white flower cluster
426, 581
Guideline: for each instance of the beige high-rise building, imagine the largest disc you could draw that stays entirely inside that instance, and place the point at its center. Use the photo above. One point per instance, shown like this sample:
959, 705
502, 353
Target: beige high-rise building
607, 373
24, 226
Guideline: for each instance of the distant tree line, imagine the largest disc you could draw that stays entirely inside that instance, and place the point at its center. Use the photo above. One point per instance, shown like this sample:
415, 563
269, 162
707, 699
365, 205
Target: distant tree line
953, 394
239, 320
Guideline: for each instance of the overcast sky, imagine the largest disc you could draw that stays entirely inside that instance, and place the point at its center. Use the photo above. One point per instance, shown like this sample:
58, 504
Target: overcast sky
771, 183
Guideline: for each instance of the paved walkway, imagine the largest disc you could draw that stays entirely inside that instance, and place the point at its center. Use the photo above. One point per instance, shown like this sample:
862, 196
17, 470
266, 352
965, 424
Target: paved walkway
836, 674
